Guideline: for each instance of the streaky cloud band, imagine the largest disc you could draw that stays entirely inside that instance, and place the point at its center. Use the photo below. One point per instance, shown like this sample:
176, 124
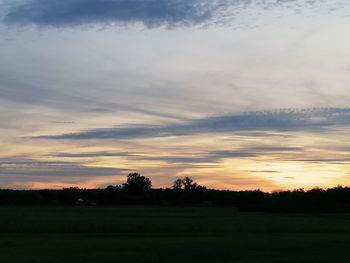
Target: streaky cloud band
151, 13
279, 120
30, 167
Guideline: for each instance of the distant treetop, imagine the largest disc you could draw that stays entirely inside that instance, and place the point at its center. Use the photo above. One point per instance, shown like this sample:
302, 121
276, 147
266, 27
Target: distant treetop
136, 183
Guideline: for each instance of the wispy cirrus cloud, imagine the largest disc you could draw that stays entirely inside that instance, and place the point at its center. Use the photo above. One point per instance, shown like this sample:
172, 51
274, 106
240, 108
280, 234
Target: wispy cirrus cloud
281, 120
213, 156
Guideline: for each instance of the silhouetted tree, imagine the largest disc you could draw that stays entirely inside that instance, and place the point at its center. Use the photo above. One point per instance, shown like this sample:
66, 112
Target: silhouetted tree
178, 184
186, 184
137, 184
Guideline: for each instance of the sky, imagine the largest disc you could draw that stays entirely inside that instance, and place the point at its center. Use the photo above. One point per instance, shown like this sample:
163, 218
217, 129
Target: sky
236, 94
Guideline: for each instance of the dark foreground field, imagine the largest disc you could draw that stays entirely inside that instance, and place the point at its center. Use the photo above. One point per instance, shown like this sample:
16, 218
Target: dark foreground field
169, 234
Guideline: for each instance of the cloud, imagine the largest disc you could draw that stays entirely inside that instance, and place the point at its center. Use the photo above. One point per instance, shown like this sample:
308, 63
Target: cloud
263, 171
339, 160
29, 167
151, 13
274, 121
211, 157
189, 158
35, 92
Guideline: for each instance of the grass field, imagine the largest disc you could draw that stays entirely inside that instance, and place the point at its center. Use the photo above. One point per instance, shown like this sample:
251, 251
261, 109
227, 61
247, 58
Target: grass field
169, 234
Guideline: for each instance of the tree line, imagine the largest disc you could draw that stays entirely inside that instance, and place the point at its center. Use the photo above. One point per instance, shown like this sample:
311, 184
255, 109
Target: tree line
184, 191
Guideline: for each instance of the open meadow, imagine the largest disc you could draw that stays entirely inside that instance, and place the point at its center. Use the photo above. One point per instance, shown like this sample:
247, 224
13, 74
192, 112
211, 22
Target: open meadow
169, 234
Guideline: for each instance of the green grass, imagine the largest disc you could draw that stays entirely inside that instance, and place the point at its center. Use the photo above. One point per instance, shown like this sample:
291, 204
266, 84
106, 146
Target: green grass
169, 234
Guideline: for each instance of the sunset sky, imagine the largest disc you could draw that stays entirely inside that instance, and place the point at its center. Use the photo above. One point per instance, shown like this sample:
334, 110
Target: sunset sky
237, 94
